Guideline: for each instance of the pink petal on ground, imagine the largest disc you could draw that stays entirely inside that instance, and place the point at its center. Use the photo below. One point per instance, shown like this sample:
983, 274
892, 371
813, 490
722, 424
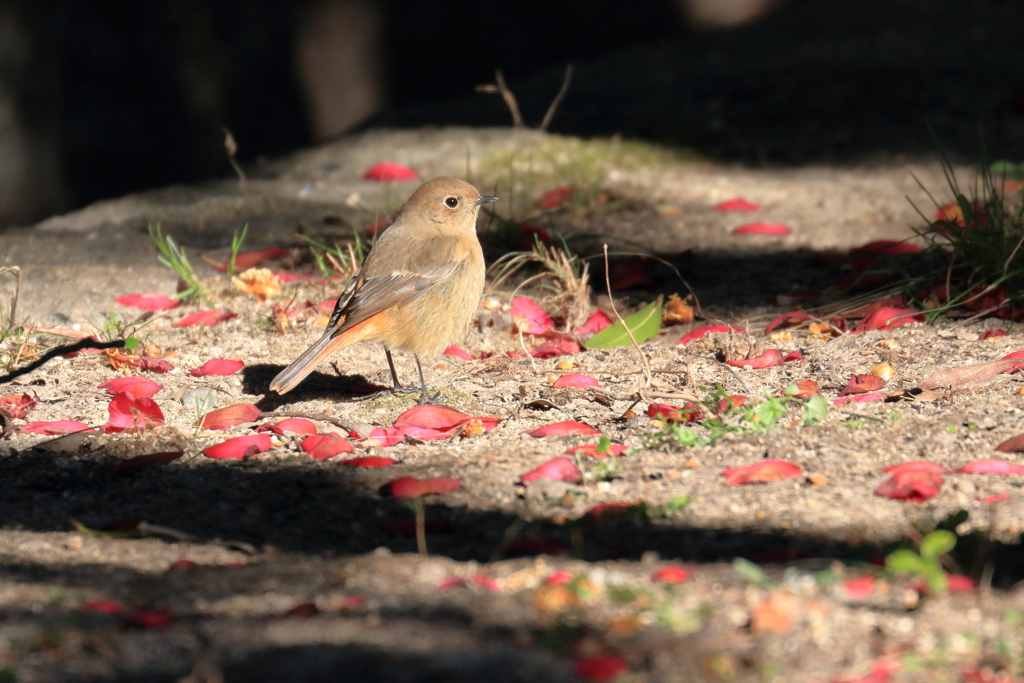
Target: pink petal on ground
576, 380
221, 367
774, 229
737, 204
769, 358
56, 428
239, 447
915, 486
408, 487
690, 412
614, 450
670, 575
859, 588
862, 384
208, 318
761, 472
430, 422
128, 413
458, 353
150, 301
389, 172
791, 319
232, 416
1012, 445
559, 469
989, 333
600, 668
325, 446
701, 332
144, 462
552, 199
916, 466
532, 318
991, 466
139, 387
249, 259
19, 405
860, 398
889, 318
369, 461
555, 348
595, 323
562, 429
385, 436
292, 425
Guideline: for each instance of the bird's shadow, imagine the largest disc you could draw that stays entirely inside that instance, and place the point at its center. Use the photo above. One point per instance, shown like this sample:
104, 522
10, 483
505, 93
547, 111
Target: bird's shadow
318, 385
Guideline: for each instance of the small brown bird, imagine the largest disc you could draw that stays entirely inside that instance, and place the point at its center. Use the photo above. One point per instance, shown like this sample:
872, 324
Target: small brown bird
418, 287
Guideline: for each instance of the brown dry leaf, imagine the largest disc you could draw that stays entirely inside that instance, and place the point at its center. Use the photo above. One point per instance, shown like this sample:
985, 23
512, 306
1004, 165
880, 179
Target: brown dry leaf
552, 599
966, 374
565, 365
818, 479
152, 351
260, 282
119, 361
624, 626
777, 614
677, 311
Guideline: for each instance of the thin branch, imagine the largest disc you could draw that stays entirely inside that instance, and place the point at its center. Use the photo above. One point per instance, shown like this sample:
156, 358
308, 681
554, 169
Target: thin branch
510, 99
550, 114
60, 351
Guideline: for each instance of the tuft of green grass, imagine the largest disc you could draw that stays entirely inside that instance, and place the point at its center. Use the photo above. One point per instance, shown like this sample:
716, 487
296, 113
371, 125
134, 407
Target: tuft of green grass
236, 245
340, 261
173, 256
9, 326
926, 563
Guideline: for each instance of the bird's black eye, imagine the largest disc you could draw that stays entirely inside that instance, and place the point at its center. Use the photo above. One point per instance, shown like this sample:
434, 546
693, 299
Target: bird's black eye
451, 202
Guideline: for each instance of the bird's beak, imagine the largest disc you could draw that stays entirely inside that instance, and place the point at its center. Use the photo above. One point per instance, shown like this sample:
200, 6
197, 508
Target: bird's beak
484, 200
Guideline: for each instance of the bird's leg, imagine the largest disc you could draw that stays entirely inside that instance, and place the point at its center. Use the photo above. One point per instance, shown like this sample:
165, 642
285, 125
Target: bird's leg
426, 397
394, 375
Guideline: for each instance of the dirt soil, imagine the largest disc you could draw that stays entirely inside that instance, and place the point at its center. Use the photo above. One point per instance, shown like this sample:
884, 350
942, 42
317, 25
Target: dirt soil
306, 570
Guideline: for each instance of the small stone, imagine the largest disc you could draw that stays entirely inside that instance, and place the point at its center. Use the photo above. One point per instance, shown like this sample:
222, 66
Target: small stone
74, 543
818, 479
200, 400
565, 365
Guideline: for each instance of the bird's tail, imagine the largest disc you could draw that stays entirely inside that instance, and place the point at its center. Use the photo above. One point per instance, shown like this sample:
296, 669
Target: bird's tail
289, 378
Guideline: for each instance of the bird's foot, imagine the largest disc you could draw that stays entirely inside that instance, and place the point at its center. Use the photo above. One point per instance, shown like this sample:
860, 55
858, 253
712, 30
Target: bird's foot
426, 398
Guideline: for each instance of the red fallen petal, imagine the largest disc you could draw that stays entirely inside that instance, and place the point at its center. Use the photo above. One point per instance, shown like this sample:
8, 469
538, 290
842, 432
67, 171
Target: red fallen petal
532, 318
139, 387
128, 413
150, 301
431, 422
599, 668
369, 461
769, 358
458, 353
860, 588
477, 580
889, 318
671, 575
1014, 355
232, 416
102, 607
916, 466
860, 398
152, 364
562, 429
248, 259
515, 355
794, 356
887, 247
862, 384
559, 578
559, 469
555, 348
180, 565
552, 199
996, 498
56, 428
608, 511
807, 387
407, 526
690, 412
19, 405
1011, 445
763, 229
293, 425
989, 333
535, 546
885, 302
955, 583
290, 277
614, 450
239, 447
144, 462
702, 332
915, 486
730, 402
991, 466
218, 366
408, 487
325, 446
384, 436
389, 172
576, 380
304, 610
595, 323
737, 204
791, 319
208, 318
530, 234
151, 619
761, 472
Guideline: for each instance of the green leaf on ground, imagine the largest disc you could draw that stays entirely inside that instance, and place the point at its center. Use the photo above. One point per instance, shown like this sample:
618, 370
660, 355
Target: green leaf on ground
644, 324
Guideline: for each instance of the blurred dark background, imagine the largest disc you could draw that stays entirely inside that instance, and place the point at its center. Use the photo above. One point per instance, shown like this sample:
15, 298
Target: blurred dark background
102, 98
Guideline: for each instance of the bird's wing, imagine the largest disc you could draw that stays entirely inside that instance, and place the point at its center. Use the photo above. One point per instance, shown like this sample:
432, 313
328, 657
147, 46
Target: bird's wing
419, 267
